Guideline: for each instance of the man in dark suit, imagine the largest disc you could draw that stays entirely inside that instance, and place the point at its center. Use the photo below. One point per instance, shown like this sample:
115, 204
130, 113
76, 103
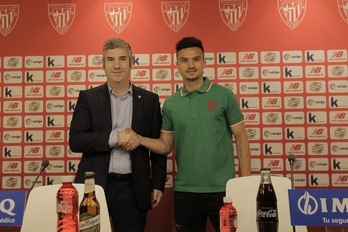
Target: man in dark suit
131, 182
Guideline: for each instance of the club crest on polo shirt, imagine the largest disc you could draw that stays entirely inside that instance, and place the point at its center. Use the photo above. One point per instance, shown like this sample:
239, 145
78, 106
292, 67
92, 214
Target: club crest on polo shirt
211, 104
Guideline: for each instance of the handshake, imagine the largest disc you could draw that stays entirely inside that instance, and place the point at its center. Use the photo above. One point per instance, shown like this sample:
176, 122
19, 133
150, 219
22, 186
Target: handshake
128, 139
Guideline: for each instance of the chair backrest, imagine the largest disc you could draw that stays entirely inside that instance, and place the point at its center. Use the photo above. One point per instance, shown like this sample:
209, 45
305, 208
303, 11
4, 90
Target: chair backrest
40, 212
243, 190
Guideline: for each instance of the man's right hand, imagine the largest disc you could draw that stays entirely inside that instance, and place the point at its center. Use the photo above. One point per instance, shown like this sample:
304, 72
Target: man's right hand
128, 139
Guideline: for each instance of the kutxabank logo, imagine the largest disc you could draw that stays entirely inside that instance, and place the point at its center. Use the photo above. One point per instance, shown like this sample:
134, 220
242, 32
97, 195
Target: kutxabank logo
61, 16
8, 18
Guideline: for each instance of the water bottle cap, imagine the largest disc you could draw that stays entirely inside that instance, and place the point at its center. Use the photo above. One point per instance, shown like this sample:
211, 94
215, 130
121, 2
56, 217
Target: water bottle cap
228, 199
67, 179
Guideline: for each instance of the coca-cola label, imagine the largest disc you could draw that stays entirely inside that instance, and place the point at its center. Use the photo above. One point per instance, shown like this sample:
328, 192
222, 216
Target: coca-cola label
267, 213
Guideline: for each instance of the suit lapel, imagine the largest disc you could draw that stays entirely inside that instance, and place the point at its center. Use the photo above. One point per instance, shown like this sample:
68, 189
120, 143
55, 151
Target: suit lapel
137, 107
104, 106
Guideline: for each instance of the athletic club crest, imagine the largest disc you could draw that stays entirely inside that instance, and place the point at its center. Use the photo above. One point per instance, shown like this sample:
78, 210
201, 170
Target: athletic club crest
118, 15
343, 9
233, 13
211, 104
292, 11
8, 18
175, 14
61, 16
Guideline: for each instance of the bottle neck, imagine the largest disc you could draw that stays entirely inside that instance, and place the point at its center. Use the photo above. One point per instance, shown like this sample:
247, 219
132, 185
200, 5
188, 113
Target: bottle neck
67, 184
266, 177
89, 186
90, 195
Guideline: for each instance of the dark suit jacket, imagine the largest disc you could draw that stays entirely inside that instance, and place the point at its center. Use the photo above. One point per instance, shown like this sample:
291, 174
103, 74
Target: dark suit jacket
89, 133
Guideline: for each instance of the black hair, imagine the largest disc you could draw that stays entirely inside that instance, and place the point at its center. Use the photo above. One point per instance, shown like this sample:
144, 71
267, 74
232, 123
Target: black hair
189, 42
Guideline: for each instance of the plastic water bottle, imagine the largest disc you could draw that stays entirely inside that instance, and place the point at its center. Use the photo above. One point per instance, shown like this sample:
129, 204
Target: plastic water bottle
67, 206
228, 216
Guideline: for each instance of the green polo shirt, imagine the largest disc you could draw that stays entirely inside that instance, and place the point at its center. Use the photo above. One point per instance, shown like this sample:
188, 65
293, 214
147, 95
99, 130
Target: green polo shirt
201, 122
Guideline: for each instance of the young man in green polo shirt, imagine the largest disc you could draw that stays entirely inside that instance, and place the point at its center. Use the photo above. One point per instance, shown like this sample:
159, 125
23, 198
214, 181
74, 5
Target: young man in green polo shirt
200, 120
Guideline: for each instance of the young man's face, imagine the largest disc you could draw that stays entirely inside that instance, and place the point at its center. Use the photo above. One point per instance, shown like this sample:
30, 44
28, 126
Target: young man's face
117, 65
190, 63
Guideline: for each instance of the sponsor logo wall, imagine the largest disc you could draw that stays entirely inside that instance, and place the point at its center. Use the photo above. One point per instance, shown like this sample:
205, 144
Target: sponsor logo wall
289, 74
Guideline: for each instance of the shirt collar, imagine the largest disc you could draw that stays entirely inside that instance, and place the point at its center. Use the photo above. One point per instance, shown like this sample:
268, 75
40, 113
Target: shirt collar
203, 89
129, 91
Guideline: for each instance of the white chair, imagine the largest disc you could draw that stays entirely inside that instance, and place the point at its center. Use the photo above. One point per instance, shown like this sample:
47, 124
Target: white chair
40, 212
243, 190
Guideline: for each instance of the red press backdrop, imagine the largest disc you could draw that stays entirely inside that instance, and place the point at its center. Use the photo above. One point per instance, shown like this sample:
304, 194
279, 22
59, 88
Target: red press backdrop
286, 60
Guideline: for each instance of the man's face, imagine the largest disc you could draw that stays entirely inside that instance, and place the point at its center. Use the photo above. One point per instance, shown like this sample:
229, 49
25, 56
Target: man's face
117, 65
190, 63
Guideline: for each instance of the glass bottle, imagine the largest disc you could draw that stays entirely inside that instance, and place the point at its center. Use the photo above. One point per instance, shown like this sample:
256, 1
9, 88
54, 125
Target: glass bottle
266, 201
89, 207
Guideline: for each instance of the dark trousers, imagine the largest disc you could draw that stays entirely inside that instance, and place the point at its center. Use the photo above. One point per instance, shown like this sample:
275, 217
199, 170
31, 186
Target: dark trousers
123, 207
191, 211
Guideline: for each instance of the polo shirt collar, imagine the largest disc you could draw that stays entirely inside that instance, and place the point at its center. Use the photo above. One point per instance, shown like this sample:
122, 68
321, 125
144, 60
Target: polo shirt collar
203, 89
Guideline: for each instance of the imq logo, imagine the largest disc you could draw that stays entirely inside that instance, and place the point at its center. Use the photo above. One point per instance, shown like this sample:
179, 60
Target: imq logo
318, 206
7, 206
12, 207
309, 205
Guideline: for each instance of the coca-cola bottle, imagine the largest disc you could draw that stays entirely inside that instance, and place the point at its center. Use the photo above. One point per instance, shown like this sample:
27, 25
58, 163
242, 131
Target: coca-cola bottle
228, 216
67, 206
266, 201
